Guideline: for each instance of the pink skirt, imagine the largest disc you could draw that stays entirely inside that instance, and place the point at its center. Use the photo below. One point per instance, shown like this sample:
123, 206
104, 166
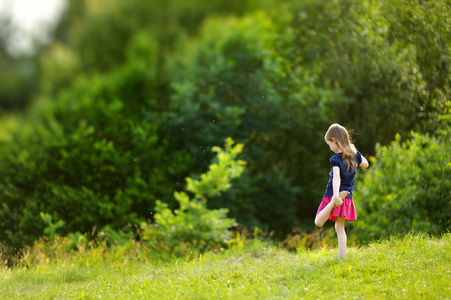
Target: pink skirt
346, 210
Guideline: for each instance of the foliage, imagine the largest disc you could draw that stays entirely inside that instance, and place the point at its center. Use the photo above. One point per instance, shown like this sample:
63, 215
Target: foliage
17, 72
407, 189
219, 175
90, 157
258, 271
94, 32
376, 54
192, 222
237, 80
425, 26
128, 106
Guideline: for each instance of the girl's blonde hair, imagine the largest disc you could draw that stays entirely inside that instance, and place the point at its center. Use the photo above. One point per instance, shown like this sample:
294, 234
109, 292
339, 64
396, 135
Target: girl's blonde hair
338, 134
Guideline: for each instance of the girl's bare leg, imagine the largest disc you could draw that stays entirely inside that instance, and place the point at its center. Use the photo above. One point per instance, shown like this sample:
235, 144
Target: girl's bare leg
323, 215
342, 238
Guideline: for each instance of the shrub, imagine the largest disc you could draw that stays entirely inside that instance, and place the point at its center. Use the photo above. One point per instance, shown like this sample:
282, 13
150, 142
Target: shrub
90, 157
241, 78
127, 107
193, 225
407, 188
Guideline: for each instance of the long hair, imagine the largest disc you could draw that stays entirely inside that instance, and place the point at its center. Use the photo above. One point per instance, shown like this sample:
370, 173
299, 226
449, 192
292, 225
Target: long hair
340, 135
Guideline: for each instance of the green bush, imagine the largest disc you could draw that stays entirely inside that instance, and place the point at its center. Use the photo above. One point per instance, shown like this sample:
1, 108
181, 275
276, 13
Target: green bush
193, 225
128, 107
408, 188
90, 157
241, 78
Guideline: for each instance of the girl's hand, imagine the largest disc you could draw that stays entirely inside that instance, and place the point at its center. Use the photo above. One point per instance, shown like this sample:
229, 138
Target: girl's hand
337, 201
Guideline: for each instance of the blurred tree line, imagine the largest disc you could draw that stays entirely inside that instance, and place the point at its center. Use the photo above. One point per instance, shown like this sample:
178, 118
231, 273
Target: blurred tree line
130, 97
17, 73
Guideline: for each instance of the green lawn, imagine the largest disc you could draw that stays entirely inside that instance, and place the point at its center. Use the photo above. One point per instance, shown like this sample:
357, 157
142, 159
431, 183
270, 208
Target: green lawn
403, 268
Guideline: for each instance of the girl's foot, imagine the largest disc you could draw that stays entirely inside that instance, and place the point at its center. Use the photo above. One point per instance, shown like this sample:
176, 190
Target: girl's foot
343, 194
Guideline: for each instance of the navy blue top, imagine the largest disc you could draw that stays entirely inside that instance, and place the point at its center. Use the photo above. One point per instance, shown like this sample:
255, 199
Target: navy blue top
347, 179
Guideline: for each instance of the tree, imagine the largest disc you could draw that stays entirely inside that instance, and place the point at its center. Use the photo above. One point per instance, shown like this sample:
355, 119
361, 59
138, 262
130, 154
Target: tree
17, 73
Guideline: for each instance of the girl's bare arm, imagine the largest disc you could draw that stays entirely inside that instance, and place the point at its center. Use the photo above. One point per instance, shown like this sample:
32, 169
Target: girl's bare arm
336, 181
364, 164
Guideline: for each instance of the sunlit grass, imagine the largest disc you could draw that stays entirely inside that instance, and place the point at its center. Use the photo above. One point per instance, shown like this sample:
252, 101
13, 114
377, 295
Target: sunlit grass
412, 267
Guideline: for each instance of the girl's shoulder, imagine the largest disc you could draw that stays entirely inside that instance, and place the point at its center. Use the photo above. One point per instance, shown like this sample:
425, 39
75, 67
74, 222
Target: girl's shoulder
358, 157
335, 156
335, 160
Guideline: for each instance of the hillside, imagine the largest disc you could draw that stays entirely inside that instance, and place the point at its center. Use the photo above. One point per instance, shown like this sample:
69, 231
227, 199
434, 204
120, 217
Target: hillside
412, 267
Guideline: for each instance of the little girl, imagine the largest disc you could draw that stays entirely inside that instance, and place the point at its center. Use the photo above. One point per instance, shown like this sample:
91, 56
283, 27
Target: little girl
337, 204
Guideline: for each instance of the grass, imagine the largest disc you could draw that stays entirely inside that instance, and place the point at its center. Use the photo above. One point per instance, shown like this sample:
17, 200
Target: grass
410, 267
